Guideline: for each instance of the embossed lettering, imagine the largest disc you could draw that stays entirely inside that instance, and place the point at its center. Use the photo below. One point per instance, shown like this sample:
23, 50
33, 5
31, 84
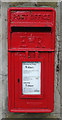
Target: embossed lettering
25, 16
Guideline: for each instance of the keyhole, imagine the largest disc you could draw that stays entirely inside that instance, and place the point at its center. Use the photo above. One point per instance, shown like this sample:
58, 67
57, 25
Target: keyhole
18, 80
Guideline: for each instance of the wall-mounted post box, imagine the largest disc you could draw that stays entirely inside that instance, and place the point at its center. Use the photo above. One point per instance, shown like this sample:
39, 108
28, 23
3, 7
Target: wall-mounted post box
31, 49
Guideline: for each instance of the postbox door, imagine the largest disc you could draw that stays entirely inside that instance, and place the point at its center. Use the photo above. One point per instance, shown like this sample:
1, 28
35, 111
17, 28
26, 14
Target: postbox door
28, 101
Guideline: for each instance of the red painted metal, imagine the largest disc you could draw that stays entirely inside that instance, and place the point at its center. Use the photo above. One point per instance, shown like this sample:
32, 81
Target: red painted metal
31, 38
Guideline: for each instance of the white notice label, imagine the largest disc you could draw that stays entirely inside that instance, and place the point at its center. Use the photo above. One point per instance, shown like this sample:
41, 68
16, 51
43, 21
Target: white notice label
31, 78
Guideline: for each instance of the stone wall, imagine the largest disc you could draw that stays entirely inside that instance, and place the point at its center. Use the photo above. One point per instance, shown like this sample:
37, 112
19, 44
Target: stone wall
4, 113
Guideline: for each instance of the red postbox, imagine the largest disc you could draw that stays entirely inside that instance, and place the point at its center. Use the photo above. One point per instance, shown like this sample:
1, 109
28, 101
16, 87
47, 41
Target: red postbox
31, 50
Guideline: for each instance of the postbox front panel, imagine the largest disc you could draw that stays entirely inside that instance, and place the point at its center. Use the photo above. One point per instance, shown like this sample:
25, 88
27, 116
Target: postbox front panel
31, 37
31, 49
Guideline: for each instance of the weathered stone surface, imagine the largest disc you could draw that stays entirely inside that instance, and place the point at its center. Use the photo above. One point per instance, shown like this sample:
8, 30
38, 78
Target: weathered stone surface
61, 58
29, 1
51, 4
